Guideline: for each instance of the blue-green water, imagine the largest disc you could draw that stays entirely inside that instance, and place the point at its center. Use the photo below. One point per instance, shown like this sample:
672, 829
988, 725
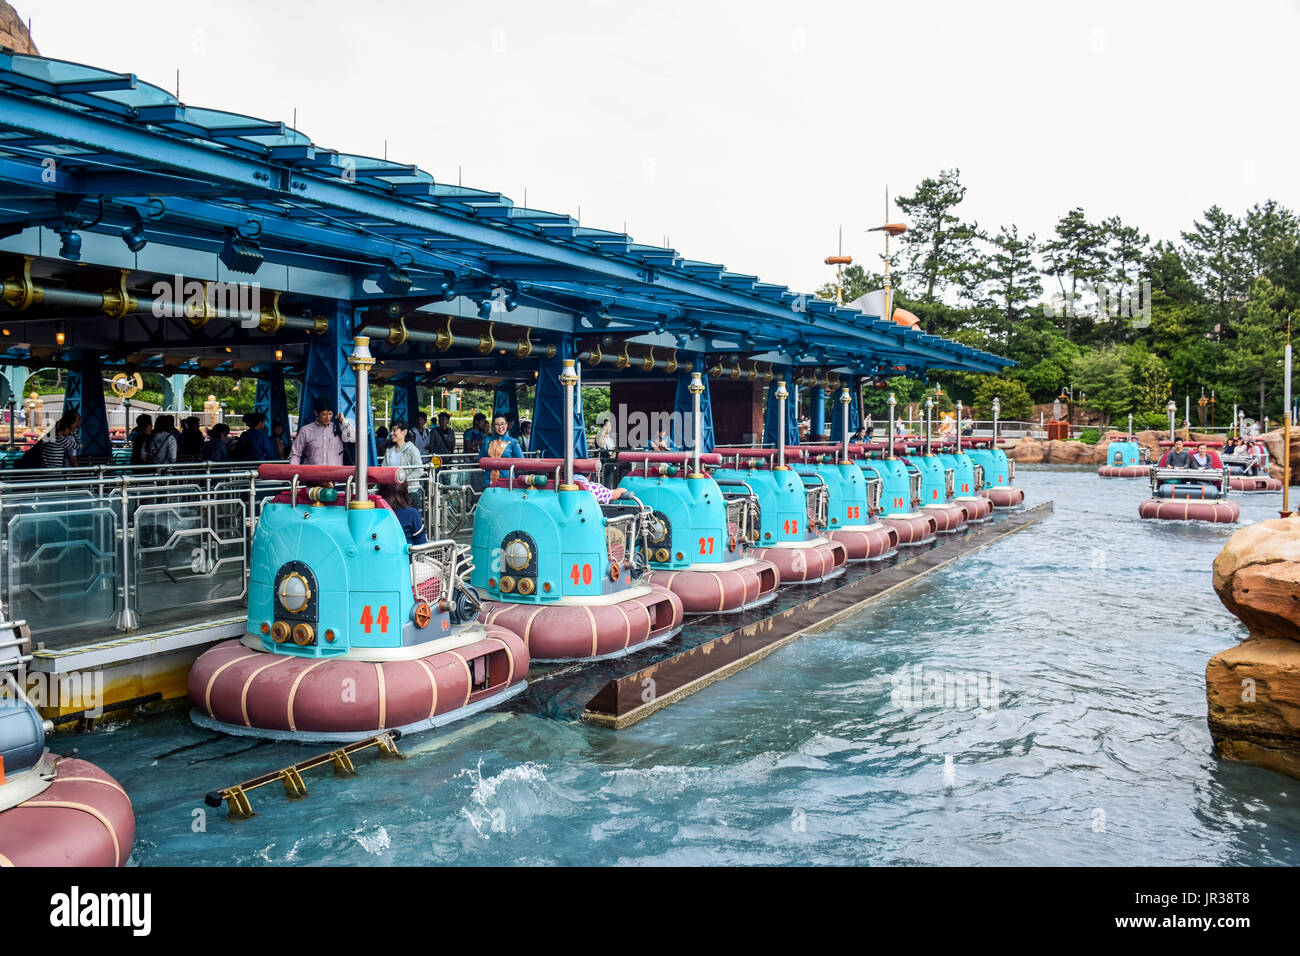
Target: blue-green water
1081, 641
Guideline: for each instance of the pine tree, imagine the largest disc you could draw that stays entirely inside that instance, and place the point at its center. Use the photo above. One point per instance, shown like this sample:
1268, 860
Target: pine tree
1011, 281
1076, 257
1217, 257
938, 248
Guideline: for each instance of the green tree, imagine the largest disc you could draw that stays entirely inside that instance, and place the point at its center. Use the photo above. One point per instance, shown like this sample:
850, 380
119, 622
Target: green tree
1151, 384
1255, 361
1013, 398
857, 282
1046, 357
1076, 256
1217, 258
1011, 281
938, 249
1103, 381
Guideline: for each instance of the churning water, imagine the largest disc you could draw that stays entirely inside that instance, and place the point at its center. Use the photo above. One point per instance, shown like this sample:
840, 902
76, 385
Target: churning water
1040, 701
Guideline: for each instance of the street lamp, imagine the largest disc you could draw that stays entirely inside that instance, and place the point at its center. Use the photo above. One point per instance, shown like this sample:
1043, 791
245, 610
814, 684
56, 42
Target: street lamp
997, 407
1172, 408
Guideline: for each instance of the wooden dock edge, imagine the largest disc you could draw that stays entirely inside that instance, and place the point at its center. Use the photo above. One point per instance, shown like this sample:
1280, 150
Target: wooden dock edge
600, 712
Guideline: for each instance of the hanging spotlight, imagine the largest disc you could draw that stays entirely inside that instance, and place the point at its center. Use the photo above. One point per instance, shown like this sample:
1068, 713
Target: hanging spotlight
240, 254
133, 235
394, 281
60, 335
279, 354
428, 366
71, 248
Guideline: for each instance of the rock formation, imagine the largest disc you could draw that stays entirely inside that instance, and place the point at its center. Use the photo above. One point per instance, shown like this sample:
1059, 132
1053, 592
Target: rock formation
1253, 689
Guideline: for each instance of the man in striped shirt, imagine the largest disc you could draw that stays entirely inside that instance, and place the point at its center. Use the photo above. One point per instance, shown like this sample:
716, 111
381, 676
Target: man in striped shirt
60, 449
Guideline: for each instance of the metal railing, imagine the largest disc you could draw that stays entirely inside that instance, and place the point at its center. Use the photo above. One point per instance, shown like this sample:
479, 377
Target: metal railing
104, 548
874, 489
742, 514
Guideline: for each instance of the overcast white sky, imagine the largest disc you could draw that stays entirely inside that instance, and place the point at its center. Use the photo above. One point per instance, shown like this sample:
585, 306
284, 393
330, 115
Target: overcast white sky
749, 132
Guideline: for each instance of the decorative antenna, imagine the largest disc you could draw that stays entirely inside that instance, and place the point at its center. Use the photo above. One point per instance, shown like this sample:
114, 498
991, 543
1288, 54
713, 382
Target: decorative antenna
839, 261
889, 229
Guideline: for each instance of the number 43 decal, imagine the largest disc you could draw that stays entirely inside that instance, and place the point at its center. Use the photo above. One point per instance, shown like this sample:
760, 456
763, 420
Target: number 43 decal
367, 619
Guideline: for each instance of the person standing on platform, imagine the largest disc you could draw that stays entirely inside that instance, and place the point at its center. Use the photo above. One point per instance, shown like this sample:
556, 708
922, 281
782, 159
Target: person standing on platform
191, 441
215, 448
279, 442
442, 440
60, 449
501, 444
476, 434
254, 444
402, 454
419, 434
163, 446
140, 438
319, 442
526, 435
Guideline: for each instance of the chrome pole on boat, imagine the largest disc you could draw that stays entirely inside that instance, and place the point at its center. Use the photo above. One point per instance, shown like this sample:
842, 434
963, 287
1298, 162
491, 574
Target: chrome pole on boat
929, 415
997, 407
845, 402
781, 395
361, 361
569, 379
696, 388
892, 402
959, 428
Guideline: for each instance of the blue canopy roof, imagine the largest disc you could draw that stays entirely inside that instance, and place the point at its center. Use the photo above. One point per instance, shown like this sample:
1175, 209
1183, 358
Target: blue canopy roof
189, 175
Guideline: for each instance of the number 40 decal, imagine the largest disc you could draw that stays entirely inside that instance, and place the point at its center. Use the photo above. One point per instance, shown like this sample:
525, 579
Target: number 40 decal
381, 619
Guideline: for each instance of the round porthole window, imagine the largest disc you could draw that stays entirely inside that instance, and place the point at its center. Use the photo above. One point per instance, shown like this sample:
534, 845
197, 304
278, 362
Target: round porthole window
294, 592
518, 555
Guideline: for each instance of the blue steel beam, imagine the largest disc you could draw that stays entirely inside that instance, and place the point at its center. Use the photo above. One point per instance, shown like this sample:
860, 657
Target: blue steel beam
112, 137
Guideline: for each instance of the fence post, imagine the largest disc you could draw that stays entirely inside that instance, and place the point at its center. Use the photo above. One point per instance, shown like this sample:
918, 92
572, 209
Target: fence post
127, 619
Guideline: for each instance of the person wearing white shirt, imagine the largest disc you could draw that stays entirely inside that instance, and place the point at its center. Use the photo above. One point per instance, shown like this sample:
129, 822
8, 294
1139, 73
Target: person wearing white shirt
419, 435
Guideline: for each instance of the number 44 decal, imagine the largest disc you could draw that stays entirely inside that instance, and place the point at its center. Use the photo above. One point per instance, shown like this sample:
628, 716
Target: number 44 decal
367, 619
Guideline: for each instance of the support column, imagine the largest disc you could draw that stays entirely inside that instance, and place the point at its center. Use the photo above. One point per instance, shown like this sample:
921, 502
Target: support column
328, 376
505, 401
683, 408
84, 393
174, 393
817, 396
271, 400
769, 415
855, 411
548, 410
406, 398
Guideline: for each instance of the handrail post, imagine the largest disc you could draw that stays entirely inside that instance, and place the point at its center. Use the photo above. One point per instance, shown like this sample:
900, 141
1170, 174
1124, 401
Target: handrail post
845, 401
892, 402
569, 379
361, 361
929, 421
696, 388
782, 393
127, 619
